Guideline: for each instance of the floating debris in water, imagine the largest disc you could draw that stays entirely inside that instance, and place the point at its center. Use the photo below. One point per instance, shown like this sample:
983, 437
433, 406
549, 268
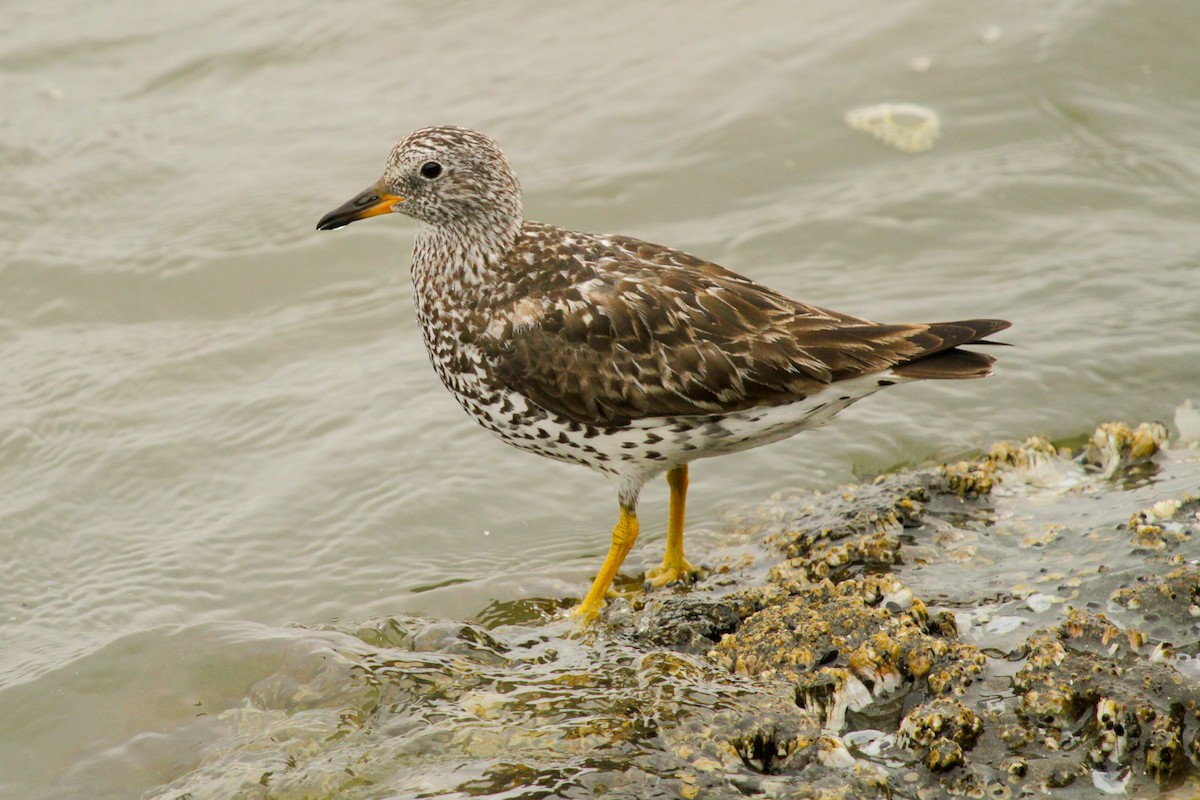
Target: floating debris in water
991, 34
907, 127
920, 64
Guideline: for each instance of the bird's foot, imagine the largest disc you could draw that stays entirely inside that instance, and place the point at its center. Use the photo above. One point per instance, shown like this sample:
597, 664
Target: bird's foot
586, 613
680, 572
589, 609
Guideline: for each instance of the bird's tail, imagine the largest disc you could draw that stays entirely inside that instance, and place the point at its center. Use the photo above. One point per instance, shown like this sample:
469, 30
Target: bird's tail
947, 362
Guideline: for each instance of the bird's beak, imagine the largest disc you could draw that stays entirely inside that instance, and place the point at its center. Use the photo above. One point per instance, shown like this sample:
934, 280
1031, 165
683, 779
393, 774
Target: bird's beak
370, 203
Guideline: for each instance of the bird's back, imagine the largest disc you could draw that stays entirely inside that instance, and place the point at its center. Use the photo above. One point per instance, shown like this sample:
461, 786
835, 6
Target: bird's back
609, 329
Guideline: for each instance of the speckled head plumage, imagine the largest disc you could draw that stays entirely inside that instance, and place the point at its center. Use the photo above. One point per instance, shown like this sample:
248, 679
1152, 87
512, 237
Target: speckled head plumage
452, 176
444, 176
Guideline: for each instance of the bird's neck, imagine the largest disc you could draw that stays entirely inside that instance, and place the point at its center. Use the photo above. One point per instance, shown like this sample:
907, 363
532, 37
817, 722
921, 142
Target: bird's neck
455, 273
461, 259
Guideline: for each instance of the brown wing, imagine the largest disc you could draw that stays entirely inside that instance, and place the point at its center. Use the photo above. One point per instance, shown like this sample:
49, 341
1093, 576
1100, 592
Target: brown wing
646, 331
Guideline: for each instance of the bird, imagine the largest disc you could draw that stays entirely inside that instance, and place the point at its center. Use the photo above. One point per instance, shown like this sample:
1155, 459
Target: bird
627, 357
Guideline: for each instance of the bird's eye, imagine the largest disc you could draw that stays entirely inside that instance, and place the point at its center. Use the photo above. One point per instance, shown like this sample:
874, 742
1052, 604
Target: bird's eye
430, 170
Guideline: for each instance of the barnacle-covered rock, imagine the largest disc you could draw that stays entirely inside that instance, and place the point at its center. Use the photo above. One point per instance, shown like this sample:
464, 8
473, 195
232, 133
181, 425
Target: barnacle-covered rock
825, 534
1165, 754
1090, 666
1170, 602
1033, 462
943, 754
940, 718
939, 732
844, 646
1165, 525
1114, 445
802, 686
695, 621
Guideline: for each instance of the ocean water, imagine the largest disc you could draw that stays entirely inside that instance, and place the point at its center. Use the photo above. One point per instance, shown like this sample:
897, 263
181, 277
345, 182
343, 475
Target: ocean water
216, 422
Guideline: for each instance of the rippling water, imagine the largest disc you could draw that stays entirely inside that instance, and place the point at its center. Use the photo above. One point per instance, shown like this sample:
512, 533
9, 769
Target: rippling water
216, 421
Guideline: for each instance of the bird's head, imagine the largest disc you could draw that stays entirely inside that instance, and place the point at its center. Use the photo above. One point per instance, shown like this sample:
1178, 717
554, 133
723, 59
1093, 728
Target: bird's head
444, 176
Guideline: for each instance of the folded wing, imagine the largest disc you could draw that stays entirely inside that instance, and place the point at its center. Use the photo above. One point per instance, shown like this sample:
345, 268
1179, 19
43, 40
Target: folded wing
662, 333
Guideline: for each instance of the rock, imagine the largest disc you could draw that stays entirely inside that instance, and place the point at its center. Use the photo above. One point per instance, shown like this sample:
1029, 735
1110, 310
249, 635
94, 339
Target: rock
832, 668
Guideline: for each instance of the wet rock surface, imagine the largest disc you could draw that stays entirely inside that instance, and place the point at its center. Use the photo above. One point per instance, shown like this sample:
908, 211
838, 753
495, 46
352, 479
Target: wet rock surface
1023, 624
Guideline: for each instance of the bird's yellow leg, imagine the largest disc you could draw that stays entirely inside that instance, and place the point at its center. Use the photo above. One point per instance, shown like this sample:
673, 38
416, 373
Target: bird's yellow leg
623, 536
675, 567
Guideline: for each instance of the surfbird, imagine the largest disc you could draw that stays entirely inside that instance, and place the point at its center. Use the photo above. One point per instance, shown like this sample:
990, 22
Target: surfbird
628, 357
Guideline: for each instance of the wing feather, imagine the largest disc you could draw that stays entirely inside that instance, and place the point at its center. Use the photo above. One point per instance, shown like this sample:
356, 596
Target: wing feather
647, 331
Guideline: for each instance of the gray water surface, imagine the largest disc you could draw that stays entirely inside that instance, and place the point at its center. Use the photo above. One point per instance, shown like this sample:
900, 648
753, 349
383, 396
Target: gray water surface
217, 421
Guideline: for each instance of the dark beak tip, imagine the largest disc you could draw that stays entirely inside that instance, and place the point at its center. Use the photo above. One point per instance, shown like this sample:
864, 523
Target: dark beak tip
329, 222
340, 217
364, 204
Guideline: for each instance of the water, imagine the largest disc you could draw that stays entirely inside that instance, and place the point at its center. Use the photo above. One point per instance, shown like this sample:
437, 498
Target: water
217, 421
